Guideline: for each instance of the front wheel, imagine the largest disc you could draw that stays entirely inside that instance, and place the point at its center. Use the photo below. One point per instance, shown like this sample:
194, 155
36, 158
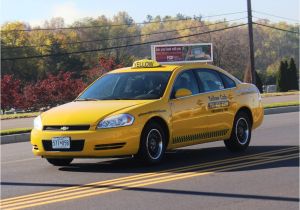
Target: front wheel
153, 144
60, 161
240, 134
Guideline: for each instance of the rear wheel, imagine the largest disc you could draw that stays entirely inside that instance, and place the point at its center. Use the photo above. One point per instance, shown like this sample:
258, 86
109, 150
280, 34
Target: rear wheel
60, 161
153, 144
240, 134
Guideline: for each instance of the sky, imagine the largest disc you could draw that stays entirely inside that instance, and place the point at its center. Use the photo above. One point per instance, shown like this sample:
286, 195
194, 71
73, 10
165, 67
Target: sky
36, 12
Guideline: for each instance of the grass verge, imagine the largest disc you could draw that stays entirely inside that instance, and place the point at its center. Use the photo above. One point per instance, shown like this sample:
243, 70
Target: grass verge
26, 130
14, 131
19, 115
282, 104
280, 94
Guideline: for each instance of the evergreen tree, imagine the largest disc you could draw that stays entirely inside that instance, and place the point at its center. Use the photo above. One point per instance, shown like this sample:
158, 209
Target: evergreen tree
281, 81
293, 75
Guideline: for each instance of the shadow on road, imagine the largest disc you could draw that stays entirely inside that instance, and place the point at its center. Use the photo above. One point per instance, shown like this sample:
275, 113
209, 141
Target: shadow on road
178, 158
182, 158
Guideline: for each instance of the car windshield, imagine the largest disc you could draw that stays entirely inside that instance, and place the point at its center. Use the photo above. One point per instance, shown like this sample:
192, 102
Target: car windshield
128, 86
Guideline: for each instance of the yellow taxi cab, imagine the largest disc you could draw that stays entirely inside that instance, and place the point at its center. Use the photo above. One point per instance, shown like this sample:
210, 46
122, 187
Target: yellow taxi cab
147, 109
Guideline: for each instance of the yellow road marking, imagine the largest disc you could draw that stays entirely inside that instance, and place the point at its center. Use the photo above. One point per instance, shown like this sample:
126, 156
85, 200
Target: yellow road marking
134, 177
70, 189
153, 181
170, 178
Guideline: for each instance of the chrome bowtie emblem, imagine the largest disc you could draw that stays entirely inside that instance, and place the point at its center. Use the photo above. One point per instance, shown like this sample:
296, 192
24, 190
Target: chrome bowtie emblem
64, 128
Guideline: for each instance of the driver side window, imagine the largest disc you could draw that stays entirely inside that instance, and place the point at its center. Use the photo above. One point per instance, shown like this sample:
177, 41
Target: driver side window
186, 80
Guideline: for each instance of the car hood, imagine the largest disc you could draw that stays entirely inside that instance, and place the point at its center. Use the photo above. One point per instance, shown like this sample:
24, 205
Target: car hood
85, 112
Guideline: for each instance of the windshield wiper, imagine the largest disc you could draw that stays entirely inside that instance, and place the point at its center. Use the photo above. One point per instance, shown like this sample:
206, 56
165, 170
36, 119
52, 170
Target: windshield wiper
86, 99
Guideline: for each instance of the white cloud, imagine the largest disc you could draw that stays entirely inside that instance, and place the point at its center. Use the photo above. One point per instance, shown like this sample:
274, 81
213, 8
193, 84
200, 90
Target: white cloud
68, 11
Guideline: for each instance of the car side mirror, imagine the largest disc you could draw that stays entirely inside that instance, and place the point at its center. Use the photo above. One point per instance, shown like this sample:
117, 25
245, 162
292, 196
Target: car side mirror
182, 92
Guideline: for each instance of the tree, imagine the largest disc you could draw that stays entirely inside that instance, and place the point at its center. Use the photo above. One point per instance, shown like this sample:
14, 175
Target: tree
12, 39
55, 89
105, 65
282, 80
11, 93
230, 46
292, 75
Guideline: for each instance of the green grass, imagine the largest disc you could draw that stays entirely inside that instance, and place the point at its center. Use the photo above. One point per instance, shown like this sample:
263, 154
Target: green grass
14, 131
19, 115
280, 94
281, 104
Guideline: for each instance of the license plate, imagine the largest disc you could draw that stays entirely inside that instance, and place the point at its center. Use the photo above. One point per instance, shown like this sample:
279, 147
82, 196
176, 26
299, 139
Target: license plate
61, 143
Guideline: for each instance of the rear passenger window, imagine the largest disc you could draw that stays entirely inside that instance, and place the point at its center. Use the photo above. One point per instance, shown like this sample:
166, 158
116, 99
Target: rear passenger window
209, 80
228, 83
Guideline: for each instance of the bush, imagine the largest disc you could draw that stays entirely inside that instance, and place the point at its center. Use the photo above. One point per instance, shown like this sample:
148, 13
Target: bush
52, 90
11, 93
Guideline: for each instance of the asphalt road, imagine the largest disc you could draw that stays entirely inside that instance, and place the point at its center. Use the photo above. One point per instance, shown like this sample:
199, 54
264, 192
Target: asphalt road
205, 176
28, 122
17, 123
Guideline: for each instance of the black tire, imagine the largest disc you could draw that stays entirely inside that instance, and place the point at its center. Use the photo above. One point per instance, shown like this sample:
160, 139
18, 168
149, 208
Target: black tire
152, 144
60, 161
240, 134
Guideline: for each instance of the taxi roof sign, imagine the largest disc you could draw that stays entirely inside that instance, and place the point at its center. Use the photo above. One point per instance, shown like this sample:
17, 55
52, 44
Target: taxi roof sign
145, 63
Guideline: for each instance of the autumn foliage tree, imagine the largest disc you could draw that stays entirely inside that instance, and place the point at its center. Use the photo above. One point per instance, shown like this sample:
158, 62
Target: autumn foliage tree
54, 90
11, 93
105, 65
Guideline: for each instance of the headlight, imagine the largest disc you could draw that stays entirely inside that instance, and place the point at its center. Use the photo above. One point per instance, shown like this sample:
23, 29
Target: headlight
37, 123
116, 121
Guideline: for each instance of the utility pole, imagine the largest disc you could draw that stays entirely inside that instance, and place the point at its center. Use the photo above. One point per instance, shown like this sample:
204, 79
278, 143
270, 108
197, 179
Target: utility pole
251, 47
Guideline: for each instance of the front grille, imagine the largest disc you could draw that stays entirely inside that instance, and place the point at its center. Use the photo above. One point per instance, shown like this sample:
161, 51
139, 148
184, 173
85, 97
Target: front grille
109, 146
66, 127
75, 146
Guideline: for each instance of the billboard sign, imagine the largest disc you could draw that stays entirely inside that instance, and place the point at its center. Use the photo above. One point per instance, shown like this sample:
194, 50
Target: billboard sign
182, 53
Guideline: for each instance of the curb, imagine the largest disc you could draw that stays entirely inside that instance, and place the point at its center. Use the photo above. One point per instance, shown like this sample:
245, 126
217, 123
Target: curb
23, 137
15, 138
280, 110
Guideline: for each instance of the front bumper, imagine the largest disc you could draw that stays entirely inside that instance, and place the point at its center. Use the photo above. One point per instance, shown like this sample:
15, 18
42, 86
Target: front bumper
96, 143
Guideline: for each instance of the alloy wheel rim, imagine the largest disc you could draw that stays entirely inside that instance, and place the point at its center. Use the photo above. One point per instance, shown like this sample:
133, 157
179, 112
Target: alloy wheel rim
242, 131
154, 144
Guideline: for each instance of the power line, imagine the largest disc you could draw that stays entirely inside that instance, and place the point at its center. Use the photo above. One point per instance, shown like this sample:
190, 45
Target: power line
263, 18
122, 46
114, 25
271, 15
122, 37
273, 27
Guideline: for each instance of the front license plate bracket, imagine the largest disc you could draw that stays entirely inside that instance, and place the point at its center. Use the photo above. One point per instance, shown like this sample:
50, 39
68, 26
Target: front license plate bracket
61, 142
